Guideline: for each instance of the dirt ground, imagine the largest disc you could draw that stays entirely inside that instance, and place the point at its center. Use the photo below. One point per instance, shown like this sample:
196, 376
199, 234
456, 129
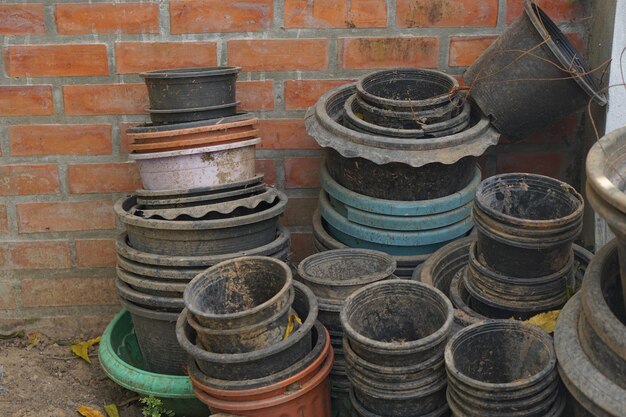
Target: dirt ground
48, 380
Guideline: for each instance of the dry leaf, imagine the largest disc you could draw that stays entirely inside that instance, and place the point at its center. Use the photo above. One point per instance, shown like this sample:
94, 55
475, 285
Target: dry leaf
81, 349
291, 324
34, 338
87, 411
111, 410
547, 321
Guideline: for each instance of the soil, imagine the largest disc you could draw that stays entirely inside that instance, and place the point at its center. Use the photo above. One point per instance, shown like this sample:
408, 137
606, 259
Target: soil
47, 380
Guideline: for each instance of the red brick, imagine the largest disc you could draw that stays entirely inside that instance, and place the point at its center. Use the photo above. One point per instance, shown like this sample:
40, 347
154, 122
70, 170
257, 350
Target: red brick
56, 60
419, 52
300, 94
301, 246
134, 57
83, 19
267, 167
105, 99
4, 220
65, 216
7, 296
40, 140
446, 13
95, 253
335, 14
278, 54
256, 95
103, 178
285, 134
56, 292
302, 172
32, 100
29, 179
465, 50
558, 10
124, 139
202, 16
39, 255
21, 19
299, 211
544, 163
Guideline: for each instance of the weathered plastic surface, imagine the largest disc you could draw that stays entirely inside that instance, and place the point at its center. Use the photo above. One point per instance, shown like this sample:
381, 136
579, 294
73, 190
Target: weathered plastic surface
143, 194
361, 411
197, 167
397, 322
400, 208
186, 115
522, 92
324, 122
200, 197
122, 361
526, 223
148, 301
517, 375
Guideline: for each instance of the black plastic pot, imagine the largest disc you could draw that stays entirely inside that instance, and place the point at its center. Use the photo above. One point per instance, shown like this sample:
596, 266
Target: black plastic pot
526, 224
531, 76
515, 376
360, 411
397, 181
158, 287
189, 94
260, 363
149, 301
156, 336
397, 322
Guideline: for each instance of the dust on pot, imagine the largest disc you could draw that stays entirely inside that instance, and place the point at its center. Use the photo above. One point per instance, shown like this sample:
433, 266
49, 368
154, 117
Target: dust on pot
526, 223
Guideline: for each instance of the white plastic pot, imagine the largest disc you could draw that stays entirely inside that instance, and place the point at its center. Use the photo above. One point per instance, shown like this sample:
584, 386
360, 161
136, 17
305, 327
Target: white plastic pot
197, 167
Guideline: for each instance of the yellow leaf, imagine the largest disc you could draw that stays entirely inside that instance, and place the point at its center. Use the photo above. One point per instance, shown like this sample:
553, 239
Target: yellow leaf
111, 410
547, 321
87, 411
34, 338
81, 349
291, 324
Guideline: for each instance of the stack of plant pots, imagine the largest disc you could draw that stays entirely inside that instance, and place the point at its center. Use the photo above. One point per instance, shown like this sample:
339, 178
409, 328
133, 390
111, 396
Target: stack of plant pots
202, 203
400, 169
332, 276
590, 336
395, 334
254, 342
503, 367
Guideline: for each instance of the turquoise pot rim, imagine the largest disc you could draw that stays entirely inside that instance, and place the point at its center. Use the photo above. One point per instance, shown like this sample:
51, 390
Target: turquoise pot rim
135, 379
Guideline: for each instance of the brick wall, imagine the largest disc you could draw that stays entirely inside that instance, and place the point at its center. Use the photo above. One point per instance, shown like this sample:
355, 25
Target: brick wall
69, 90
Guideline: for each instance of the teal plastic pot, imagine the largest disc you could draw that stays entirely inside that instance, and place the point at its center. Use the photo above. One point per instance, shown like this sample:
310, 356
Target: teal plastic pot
122, 361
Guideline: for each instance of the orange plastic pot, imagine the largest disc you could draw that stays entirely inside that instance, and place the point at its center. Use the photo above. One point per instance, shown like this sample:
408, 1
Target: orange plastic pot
297, 397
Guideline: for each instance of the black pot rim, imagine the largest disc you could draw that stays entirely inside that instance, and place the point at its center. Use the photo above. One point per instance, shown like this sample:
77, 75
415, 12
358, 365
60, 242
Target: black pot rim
190, 72
192, 110
153, 128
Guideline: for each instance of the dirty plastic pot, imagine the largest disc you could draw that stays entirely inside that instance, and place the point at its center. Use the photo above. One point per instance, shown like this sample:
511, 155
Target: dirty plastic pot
149, 301
144, 262
592, 393
310, 398
324, 122
361, 411
397, 322
146, 285
201, 237
156, 336
531, 76
122, 361
606, 169
267, 385
185, 115
260, 363
395, 181
193, 90
479, 384
526, 223
602, 324
197, 167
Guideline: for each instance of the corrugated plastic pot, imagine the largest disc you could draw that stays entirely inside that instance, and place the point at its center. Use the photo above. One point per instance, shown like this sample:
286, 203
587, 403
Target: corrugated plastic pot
149, 301
526, 223
606, 170
147, 285
197, 167
479, 384
602, 324
531, 76
156, 336
122, 361
396, 181
375, 319
260, 363
193, 238
361, 411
